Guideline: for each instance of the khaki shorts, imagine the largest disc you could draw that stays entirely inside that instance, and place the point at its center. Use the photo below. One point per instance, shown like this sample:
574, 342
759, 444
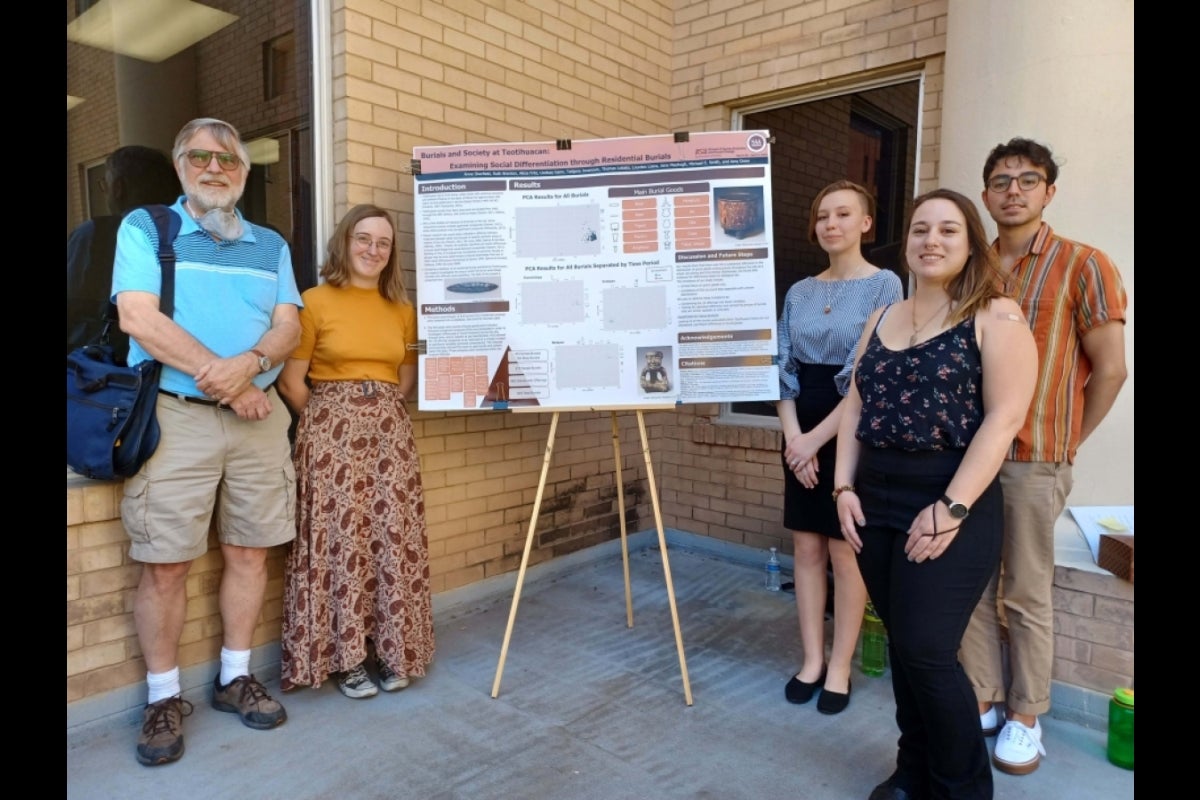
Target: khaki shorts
205, 455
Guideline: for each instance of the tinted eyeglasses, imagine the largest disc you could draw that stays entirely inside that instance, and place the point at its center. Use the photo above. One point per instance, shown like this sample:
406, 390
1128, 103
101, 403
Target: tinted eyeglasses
364, 241
1027, 181
200, 159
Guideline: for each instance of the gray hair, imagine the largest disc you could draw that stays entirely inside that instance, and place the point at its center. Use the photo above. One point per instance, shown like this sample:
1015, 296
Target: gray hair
220, 130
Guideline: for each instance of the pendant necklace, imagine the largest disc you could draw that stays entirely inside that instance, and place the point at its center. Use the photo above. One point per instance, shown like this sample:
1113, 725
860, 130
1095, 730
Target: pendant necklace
912, 340
830, 296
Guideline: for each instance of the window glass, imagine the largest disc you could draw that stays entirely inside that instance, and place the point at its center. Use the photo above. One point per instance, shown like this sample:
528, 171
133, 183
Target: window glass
137, 70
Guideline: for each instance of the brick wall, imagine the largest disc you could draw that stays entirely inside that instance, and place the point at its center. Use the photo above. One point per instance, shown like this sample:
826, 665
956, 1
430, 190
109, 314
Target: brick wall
488, 71
102, 646
1093, 629
730, 55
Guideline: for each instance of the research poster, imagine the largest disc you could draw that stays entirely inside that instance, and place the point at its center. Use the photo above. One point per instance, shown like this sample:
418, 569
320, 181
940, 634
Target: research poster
634, 271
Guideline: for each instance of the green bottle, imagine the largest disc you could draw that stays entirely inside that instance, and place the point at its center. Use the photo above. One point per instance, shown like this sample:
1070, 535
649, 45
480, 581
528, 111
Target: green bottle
874, 643
1120, 728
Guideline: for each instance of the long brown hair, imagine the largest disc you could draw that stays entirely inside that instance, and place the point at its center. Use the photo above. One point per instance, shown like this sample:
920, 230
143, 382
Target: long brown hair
981, 280
336, 269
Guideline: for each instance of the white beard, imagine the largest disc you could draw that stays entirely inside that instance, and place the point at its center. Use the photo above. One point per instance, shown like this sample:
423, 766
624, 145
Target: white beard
219, 222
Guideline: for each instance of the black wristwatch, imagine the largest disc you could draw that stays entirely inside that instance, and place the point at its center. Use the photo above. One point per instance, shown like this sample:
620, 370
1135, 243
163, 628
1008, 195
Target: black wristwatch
957, 510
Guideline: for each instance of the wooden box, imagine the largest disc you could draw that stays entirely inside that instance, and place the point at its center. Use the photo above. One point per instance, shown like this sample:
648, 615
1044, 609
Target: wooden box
1116, 554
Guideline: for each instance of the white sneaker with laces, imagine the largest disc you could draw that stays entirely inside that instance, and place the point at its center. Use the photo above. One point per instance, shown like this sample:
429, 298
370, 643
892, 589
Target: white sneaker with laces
989, 721
389, 681
357, 684
1018, 748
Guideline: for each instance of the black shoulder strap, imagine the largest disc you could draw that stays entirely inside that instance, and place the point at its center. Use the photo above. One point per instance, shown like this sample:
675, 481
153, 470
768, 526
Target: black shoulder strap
167, 222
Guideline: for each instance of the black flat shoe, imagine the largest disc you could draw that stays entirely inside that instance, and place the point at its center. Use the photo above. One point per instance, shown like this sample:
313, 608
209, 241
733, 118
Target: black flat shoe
833, 702
799, 692
891, 790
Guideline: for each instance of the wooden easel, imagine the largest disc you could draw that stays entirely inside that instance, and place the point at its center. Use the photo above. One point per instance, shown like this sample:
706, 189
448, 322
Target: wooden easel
662, 540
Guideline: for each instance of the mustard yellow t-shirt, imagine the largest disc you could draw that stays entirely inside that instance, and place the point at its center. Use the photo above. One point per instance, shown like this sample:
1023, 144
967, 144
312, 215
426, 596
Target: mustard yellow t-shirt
352, 334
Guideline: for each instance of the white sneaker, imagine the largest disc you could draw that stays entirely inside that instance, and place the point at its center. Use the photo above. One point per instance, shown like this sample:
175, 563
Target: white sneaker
1018, 748
989, 721
389, 681
357, 684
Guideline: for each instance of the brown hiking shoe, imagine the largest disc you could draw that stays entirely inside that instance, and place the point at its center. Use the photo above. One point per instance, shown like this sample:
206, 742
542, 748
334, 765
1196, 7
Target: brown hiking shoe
162, 731
247, 698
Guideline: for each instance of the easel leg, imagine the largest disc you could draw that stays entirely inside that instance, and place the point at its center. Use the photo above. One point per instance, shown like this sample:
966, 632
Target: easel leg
537, 503
616, 438
662, 544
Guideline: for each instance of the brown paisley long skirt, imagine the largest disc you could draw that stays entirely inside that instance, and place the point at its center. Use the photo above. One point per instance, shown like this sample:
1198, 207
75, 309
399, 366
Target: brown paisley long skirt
358, 569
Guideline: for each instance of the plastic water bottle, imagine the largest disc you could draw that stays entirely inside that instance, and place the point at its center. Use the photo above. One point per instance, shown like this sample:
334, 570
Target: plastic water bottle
773, 572
1120, 728
874, 643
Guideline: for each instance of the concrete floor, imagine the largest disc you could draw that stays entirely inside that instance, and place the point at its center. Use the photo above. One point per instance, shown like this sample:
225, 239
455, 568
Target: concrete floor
588, 709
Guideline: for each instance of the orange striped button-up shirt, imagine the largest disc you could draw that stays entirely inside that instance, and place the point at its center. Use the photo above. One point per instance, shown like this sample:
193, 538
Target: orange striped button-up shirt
1066, 289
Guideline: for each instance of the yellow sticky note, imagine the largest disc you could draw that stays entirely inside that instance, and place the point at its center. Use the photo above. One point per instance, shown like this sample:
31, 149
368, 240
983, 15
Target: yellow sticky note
1112, 524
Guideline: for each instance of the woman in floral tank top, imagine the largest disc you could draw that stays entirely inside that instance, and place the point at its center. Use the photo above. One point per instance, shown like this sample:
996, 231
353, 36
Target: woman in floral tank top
942, 384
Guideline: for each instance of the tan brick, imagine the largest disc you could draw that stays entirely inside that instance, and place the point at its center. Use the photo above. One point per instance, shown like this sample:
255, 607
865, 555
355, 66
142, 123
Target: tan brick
100, 501
75, 512
108, 629
1072, 649
1102, 585
101, 582
1098, 632
89, 658
1088, 677
91, 559
1119, 612
1112, 659
1080, 604
105, 679
370, 49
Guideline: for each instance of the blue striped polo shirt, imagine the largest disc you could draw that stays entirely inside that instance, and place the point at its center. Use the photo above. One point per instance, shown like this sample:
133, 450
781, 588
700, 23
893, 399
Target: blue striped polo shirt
225, 291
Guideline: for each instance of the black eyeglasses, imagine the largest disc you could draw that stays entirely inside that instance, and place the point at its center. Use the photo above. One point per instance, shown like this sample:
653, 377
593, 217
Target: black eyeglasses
1028, 181
200, 159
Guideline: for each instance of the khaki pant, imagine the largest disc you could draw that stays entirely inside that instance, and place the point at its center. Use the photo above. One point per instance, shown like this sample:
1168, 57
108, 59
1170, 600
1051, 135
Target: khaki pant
206, 453
1021, 593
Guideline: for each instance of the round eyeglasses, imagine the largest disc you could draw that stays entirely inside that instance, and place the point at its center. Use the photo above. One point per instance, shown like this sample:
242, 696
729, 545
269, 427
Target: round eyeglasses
200, 159
1027, 181
364, 241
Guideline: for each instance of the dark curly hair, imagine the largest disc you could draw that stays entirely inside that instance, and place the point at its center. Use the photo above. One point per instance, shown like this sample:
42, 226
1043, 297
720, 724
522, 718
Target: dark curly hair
1037, 154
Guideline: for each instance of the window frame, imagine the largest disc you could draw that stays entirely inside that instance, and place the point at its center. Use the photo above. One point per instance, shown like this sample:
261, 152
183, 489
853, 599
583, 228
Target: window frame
726, 415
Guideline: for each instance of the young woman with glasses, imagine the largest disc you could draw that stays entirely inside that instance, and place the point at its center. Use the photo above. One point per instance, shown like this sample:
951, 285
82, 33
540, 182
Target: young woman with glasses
358, 570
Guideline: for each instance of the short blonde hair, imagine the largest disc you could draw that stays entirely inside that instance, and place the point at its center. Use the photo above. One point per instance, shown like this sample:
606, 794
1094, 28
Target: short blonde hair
868, 203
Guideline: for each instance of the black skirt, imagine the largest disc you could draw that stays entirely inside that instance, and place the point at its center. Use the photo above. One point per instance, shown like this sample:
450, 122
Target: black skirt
813, 510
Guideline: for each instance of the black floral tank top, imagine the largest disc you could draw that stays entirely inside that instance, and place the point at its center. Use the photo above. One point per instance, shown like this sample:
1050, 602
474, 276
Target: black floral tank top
925, 397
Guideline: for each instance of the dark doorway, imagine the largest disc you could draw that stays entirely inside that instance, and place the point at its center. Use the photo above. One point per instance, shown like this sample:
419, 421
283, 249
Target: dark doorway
868, 137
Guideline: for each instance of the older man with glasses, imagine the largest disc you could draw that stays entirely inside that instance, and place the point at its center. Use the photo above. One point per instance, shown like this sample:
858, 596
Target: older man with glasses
1073, 297
224, 429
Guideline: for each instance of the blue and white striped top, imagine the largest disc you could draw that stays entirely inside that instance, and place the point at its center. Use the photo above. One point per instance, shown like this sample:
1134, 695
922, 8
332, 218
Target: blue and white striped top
807, 335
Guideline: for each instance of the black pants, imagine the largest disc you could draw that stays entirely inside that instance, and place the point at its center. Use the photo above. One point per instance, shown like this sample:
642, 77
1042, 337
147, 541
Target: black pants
926, 607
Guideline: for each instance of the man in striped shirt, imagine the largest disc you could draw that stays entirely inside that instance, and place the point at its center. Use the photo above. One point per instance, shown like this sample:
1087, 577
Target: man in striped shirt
1075, 302
235, 320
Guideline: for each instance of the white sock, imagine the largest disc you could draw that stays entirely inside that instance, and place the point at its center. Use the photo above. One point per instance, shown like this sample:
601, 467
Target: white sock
163, 684
234, 664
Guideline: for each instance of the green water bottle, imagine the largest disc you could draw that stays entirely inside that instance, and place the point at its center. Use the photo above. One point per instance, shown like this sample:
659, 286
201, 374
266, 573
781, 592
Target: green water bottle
1120, 728
874, 643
